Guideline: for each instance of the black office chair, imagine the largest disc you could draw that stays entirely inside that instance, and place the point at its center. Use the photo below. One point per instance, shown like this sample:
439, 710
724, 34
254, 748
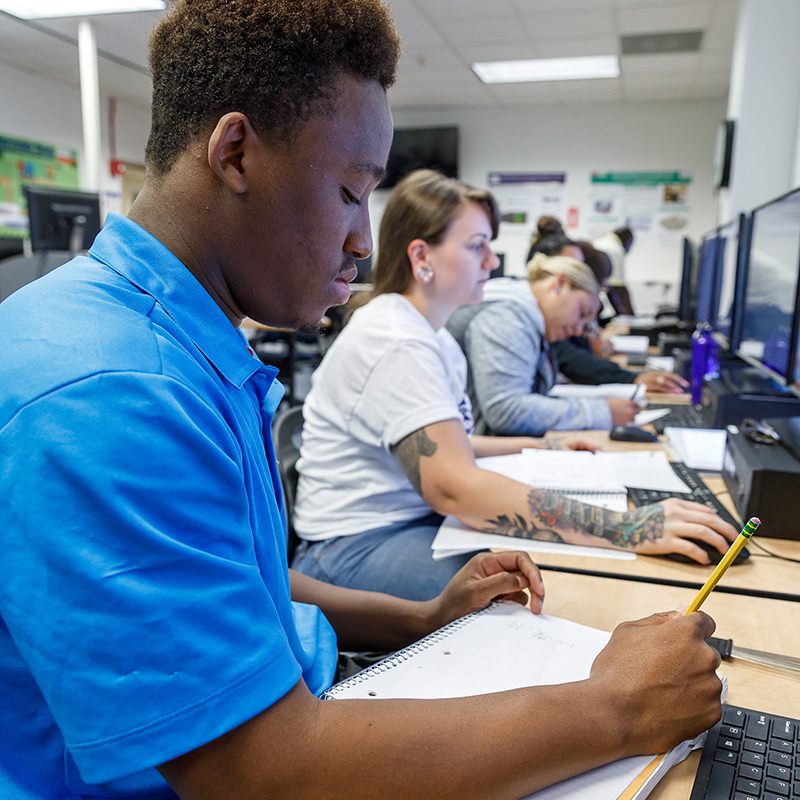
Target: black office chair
287, 430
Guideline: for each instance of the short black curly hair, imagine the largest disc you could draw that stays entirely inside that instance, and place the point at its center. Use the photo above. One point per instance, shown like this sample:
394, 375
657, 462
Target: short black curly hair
272, 60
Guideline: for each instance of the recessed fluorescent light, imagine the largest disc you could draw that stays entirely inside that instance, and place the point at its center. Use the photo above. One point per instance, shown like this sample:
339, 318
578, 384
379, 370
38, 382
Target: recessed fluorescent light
548, 69
42, 9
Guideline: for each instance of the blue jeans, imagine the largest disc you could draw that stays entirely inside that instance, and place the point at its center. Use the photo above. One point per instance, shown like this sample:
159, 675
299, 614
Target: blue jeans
396, 559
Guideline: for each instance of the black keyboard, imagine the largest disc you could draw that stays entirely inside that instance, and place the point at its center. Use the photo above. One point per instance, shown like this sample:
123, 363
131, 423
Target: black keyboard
749, 755
700, 493
680, 416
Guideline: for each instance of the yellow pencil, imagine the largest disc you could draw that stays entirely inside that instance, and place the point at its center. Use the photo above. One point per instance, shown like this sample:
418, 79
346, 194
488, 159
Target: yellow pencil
733, 551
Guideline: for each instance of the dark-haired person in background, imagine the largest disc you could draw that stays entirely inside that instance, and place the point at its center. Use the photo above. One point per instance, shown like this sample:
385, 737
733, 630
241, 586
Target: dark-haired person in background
576, 355
547, 229
616, 246
149, 645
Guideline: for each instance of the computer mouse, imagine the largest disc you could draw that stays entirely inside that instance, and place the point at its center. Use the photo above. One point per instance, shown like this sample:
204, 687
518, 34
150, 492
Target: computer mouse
714, 555
630, 433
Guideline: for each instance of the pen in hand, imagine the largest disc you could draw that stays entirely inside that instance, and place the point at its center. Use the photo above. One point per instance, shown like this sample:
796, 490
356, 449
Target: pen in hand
733, 551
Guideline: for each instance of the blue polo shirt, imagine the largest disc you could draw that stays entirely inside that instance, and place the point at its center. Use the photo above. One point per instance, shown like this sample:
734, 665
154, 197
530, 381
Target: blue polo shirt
144, 595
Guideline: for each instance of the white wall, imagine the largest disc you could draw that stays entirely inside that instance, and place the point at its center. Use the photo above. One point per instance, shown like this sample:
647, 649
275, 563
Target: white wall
579, 140
32, 107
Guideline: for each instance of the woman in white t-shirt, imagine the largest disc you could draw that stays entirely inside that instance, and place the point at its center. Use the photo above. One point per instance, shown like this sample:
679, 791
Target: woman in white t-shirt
387, 446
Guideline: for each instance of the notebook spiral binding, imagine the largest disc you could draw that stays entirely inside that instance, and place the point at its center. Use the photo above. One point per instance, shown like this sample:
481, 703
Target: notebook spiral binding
403, 655
577, 490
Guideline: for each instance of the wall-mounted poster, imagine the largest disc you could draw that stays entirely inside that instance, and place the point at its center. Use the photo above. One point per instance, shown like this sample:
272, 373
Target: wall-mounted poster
23, 163
655, 205
524, 197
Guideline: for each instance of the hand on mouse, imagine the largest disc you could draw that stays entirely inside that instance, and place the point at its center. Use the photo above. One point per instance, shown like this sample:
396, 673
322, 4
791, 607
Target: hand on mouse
667, 527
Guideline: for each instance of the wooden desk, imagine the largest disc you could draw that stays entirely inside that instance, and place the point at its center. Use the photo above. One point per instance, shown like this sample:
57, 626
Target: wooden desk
760, 574
757, 623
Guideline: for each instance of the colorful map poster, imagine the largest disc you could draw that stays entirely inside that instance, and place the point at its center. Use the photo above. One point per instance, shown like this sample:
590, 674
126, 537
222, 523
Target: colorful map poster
655, 205
22, 163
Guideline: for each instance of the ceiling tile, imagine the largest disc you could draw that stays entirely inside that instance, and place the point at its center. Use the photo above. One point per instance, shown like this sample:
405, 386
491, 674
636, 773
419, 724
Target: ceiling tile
517, 93
447, 10
600, 91
488, 30
414, 26
682, 82
655, 93
543, 27
526, 7
725, 14
668, 63
562, 48
428, 58
470, 53
716, 62
665, 17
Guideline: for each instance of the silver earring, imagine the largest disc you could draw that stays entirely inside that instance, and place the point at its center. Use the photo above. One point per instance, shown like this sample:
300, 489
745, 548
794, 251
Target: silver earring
425, 273
558, 290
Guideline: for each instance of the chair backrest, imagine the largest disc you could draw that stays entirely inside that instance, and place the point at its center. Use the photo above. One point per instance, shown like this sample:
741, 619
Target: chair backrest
287, 430
17, 271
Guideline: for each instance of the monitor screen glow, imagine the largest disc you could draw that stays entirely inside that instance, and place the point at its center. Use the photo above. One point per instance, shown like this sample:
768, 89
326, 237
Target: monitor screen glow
770, 295
727, 275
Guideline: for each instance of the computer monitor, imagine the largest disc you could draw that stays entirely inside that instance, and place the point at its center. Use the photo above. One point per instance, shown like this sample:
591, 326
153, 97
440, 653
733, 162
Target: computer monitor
731, 271
688, 293
769, 324
61, 219
705, 303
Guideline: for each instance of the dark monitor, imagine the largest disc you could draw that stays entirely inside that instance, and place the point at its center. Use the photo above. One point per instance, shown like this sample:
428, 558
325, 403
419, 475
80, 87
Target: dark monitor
769, 323
422, 148
705, 283
61, 219
732, 241
688, 293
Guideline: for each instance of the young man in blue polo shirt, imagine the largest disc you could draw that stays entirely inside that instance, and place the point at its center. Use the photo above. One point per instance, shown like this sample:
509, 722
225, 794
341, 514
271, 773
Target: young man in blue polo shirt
149, 645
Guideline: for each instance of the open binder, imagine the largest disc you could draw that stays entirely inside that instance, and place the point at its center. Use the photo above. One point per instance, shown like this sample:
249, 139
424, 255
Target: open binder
505, 647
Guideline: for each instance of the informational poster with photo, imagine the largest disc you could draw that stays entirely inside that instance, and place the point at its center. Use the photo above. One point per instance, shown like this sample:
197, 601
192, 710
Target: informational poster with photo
525, 197
27, 163
655, 205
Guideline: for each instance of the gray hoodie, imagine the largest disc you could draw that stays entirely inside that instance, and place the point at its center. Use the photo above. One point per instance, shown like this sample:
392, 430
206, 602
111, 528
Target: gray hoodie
511, 368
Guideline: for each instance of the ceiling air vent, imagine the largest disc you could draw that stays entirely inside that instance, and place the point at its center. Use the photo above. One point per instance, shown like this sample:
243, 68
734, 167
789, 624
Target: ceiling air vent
659, 43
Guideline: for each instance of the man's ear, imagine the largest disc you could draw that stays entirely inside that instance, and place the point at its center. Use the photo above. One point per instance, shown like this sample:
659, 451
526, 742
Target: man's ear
230, 139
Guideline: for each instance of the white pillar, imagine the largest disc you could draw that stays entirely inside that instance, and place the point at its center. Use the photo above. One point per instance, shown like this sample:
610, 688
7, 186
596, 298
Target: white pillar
764, 102
90, 104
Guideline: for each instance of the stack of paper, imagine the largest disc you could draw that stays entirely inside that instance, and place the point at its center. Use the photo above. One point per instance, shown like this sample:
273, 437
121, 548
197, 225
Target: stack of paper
626, 391
698, 448
640, 469
630, 344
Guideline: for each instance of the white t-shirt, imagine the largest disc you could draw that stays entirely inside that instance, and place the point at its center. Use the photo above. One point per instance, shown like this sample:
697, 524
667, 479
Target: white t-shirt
387, 374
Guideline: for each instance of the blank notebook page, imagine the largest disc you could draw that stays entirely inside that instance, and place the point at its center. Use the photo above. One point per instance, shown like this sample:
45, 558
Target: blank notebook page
500, 648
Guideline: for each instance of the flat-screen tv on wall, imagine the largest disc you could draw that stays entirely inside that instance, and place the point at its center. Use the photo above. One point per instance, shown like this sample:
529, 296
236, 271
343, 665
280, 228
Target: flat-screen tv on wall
422, 148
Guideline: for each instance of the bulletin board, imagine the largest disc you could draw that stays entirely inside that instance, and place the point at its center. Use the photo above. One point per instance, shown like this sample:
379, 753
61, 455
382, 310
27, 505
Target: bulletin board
654, 204
24, 162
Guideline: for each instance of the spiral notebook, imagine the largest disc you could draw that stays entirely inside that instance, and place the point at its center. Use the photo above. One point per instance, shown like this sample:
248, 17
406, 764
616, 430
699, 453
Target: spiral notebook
505, 647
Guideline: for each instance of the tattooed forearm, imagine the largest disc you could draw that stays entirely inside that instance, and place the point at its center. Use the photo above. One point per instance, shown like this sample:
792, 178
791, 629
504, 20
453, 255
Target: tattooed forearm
548, 510
634, 527
519, 527
408, 452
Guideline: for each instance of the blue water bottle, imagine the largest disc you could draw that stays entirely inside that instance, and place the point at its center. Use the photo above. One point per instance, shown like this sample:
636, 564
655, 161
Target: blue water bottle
701, 343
